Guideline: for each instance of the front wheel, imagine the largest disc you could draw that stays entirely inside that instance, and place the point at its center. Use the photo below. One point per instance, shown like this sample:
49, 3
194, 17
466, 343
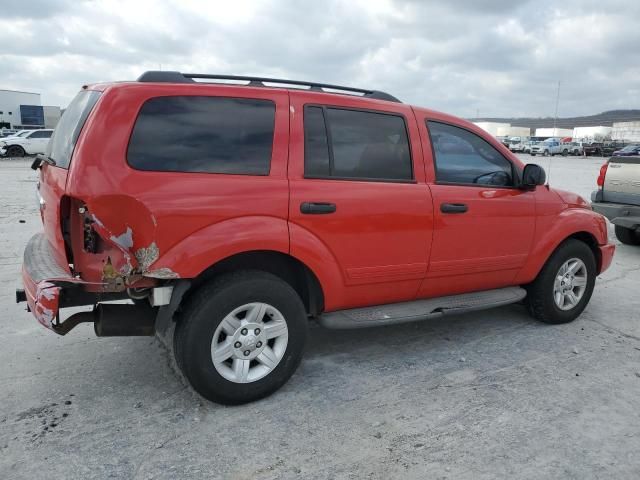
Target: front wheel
564, 285
241, 337
627, 236
546, 153
15, 151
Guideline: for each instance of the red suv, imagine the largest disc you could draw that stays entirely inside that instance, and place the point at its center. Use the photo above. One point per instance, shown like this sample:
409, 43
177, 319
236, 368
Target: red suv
240, 211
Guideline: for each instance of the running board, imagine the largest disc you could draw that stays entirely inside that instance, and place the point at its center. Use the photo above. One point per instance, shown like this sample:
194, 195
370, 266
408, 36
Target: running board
420, 309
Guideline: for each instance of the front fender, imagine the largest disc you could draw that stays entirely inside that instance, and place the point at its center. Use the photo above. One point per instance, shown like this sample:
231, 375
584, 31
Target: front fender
203, 248
552, 230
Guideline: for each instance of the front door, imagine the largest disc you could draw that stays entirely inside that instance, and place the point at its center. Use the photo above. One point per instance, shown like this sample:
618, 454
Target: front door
483, 224
357, 188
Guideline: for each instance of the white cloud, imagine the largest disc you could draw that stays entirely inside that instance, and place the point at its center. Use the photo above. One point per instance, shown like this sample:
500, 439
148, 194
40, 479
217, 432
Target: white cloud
500, 57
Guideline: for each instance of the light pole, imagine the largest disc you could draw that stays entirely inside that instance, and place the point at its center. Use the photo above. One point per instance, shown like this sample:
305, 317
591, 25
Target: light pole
555, 117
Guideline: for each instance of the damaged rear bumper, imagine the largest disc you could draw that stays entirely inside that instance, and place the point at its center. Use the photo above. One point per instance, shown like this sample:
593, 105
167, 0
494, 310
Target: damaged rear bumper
49, 286
43, 280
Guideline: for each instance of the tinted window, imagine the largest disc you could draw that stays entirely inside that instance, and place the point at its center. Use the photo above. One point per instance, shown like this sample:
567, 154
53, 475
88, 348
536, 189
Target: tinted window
41, 134
204, 134
464, 157
316, 145
65, 136
358, 145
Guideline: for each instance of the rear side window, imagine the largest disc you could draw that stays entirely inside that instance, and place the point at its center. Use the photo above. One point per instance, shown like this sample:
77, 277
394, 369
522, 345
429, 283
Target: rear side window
41, 134
354, 144
64, 138
464, 157
203, 134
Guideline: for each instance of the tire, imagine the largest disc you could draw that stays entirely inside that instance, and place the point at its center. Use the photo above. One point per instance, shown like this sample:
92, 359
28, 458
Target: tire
541, 293
15, 151
546, 153
565, 152
627, 236
532, 154
201, 322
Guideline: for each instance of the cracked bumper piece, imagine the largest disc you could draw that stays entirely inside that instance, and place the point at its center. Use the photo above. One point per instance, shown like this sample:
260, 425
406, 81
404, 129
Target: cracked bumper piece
43, 280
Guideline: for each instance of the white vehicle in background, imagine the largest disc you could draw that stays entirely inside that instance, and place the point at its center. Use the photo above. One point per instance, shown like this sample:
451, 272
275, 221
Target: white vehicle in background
518, 144
30, 143
550, 147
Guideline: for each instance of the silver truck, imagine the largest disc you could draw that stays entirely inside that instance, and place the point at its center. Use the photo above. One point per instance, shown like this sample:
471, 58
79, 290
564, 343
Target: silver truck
551, 146
618, 197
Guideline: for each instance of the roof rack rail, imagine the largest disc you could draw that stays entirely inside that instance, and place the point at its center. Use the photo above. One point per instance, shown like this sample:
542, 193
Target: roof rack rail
178, 77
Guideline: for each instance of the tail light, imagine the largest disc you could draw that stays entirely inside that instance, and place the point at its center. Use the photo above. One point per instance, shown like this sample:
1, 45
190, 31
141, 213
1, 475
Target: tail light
603, 173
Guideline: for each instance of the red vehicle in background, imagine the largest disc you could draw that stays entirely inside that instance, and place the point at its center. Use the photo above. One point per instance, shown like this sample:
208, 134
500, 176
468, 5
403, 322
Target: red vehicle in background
240, 212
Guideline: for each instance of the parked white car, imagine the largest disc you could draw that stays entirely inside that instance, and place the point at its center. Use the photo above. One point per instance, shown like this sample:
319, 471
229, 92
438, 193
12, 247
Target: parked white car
30, 143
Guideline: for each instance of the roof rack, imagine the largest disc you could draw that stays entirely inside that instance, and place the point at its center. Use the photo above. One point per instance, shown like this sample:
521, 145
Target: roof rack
178, 77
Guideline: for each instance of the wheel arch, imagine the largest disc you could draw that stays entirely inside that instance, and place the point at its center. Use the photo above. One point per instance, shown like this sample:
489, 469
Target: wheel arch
301, 278
592, 243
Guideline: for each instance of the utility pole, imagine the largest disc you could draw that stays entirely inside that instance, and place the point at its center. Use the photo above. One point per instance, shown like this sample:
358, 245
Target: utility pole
555, 117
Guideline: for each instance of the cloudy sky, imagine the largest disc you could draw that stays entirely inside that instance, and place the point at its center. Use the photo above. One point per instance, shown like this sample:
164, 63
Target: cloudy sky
495, 57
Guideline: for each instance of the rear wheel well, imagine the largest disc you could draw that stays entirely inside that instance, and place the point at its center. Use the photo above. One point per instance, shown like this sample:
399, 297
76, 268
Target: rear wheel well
592, 243
288, 268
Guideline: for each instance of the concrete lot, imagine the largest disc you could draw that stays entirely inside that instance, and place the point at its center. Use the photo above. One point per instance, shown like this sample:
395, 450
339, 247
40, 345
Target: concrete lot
482, 395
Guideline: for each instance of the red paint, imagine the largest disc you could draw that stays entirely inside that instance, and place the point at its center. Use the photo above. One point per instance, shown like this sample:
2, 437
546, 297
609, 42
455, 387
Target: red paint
386, 242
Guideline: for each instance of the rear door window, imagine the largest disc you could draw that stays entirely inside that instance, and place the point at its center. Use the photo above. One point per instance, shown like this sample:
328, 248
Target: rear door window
355, 144
64, 138
203, 134
462, 157
41, 134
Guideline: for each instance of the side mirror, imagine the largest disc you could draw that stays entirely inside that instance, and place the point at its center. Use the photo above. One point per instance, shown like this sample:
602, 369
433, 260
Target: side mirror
532, 176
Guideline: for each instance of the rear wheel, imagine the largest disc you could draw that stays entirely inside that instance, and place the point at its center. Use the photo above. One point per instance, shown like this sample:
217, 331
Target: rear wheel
15, 151
241, 337
627, 236
564, 285
565, 152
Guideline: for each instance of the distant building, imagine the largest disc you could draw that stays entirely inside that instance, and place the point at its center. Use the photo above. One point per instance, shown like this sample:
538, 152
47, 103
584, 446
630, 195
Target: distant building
24, 110
628, 131
591, 134
554, 132
51, 116
503, 129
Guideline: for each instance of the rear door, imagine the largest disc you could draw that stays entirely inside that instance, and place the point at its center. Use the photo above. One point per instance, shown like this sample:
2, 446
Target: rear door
357, 186
484, 225
38, 141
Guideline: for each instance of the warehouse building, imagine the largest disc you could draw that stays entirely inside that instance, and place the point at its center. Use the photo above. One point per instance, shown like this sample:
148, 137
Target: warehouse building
24, 110
627, 131
591, 134
503, 129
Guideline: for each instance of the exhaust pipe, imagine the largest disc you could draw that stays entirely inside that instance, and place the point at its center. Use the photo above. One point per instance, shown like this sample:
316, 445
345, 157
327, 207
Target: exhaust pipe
114, 320
122, 320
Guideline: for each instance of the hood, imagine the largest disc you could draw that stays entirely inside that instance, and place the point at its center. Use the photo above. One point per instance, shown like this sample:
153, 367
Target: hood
572, 200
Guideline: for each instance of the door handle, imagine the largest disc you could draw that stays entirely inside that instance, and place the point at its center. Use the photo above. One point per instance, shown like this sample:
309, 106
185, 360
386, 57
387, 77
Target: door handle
453, 207
317, 208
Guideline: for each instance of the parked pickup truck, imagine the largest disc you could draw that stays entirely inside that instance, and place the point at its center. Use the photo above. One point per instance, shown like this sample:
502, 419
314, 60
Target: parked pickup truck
552, 146
240, 212
618, 197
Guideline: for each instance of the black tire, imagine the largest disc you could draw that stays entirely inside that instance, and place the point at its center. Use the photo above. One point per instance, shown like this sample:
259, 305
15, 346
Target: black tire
546, 153
15, 151
204, 311
540, 292
565, 152
532, 154
627, 236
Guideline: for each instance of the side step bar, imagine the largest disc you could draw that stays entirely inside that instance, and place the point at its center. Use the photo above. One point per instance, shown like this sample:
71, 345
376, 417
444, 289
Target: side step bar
420, 309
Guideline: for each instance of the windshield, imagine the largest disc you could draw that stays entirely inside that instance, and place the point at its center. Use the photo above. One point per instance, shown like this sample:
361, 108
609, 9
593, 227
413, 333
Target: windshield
64, 138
